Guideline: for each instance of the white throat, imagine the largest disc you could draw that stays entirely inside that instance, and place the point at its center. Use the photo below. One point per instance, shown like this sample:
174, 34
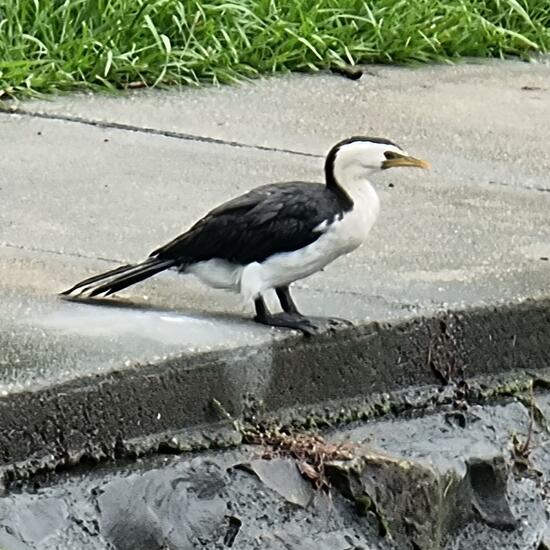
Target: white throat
353, 180
351, 176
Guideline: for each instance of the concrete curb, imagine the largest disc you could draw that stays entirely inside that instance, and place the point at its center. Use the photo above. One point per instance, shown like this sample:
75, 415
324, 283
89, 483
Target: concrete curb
332, 378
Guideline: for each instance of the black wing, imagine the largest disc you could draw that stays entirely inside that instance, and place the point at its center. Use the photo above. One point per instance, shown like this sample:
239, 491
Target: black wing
267, 220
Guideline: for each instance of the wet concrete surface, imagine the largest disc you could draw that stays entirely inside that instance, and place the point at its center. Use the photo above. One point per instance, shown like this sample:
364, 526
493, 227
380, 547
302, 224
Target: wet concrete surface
337, 377
175, 503
215, 499
65, 340
506, 509
452, 285
442, 243
477, 121
441, 239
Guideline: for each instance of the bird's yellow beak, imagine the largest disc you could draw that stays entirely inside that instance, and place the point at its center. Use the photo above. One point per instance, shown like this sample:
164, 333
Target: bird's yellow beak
404, 160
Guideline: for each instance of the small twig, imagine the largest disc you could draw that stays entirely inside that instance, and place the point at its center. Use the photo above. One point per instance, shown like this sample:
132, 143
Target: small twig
223, 412
221, 409
522, 450
310, 451
526, 448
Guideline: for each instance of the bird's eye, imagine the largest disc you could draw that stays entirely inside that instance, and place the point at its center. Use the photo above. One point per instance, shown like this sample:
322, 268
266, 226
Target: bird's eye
391, 155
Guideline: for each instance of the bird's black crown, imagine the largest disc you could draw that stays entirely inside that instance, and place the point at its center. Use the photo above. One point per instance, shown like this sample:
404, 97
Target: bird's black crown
331, 156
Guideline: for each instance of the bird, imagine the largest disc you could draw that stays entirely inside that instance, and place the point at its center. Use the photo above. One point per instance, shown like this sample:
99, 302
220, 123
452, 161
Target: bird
274, 235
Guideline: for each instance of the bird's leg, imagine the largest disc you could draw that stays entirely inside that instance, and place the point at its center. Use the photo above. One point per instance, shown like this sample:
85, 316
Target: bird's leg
284, 320
262, 313
287, 303
292, 318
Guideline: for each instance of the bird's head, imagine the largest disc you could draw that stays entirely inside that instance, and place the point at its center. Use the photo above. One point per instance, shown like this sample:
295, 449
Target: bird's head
358, 157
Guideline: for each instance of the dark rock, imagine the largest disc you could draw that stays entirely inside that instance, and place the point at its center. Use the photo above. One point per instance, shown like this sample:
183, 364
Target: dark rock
158, 510
433, 485
488, 479
9, 542
353, 73
282, 475
420, 506
544, 543
37, 522
415, 503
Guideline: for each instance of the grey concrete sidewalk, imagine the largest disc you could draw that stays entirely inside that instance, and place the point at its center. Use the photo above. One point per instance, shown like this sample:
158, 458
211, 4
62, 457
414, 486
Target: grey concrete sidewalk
89, 181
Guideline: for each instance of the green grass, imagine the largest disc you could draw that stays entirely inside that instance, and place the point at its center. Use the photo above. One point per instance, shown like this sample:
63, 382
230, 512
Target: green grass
49, 45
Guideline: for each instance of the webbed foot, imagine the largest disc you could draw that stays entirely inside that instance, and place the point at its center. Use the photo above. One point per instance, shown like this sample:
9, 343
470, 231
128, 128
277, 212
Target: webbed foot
307, 325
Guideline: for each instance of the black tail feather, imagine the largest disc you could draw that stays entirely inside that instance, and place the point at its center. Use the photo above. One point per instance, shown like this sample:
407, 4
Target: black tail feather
96, 278
143, 272
119, 278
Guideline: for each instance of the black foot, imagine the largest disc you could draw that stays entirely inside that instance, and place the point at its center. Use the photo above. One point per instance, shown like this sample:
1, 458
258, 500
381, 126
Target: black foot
308, 325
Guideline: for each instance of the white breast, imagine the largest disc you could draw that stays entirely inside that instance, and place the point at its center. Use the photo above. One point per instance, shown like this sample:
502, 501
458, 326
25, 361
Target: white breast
352, 230
338, 238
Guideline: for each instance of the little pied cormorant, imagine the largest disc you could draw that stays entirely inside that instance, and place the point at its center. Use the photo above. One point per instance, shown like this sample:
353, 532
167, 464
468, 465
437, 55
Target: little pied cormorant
275, 234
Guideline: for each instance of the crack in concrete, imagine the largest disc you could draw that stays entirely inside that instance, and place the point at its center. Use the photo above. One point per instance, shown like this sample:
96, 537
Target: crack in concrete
528, 187
154, 131
120, 262
191, 137
359, 294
